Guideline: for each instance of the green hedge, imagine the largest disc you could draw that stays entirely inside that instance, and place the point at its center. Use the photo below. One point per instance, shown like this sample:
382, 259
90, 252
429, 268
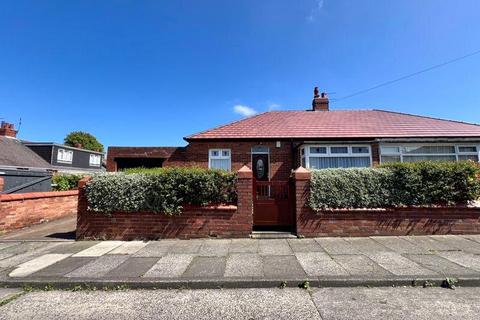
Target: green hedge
64, 182
162, 190
398, 184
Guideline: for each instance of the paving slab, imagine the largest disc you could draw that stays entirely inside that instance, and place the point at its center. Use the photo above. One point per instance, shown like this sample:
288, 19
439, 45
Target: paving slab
4, 245
185, 246
154, 249
37, 264
397, 303
129, 247
170, 266
33, 250
205, 267
440, 265
318, 264
473, 237
73, 247
63, 267
244, 265
277, 247
284, 267
399, 245
465, 259
337, 246
99, 267
399, 265
365, 245
215, 248
304, 245
460, 243
132, 268
428, 243
360, 265
20, 248
243, 246
99, 249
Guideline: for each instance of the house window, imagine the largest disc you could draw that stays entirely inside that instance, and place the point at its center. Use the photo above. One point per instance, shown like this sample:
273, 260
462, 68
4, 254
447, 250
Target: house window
323, 157
220, 159
95, 160
65, 156
414, 153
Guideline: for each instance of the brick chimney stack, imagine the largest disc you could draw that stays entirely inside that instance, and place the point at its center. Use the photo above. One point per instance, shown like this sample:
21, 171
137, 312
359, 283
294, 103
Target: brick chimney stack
6, 129
320, 101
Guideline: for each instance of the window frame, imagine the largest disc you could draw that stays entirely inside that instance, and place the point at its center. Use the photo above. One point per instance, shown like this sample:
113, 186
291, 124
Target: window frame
305, 149
402, 152
220, 157
64, 159
94, 164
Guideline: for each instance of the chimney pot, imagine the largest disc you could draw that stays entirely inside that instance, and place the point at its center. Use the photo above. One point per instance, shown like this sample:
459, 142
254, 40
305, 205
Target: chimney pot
320, 102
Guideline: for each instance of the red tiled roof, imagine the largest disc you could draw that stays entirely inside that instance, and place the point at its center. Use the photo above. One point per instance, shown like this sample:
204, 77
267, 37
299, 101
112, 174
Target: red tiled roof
339, 124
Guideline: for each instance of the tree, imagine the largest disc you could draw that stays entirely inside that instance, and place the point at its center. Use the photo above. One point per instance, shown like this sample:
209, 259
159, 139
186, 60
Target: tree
83, 140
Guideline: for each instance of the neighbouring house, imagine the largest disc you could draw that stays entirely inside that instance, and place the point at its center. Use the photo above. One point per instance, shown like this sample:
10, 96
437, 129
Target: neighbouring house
274, 143
66, 159
21, 169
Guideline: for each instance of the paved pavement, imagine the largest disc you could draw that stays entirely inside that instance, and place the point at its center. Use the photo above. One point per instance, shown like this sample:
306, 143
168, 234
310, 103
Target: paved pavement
272, 303
375, 261
60, 229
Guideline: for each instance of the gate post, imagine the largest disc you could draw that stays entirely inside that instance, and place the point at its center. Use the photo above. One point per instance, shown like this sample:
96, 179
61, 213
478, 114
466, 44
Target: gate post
301, 180
245, 197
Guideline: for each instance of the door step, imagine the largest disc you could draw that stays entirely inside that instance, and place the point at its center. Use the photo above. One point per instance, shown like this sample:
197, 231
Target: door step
272, 235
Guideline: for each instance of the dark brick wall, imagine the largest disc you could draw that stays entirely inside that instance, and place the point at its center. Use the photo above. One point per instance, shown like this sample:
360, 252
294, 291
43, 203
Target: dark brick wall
389, 222
193, 222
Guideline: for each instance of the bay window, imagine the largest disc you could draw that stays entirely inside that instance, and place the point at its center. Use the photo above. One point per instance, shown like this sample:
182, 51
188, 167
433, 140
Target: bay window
343, 156
433, 152
220, 159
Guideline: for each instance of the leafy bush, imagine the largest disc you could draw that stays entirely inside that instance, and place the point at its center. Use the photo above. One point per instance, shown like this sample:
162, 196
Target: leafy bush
350, 188
159, 190
64, 182
434, 183
397, 184
83, 140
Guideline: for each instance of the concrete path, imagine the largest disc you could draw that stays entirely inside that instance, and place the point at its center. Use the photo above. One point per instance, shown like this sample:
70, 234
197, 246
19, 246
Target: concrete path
374, 261
273, 303
61, 229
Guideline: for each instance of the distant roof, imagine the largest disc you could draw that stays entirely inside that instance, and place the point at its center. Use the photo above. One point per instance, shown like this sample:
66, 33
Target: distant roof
29, 143
339, 124
15, 154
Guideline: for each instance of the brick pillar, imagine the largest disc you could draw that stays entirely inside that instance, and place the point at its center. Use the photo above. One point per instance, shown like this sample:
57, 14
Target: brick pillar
82, 206
245, 197
301, 178
1, 184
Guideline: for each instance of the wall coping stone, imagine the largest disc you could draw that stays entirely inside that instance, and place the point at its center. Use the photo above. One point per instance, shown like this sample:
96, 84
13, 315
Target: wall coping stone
36, 195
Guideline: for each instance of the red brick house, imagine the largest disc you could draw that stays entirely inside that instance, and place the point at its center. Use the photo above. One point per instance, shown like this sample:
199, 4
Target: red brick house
274, 143
315, 138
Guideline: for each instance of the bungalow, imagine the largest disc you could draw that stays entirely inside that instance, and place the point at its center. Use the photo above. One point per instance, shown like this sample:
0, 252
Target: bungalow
276, 142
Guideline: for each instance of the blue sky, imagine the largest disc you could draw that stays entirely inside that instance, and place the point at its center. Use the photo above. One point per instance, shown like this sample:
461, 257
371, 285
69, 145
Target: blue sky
151, 72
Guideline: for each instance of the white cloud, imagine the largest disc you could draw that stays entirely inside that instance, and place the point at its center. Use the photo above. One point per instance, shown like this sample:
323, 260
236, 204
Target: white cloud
273, 106
316, 9
244, 110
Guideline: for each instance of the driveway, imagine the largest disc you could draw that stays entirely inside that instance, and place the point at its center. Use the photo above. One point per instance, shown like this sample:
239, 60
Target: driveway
61, 229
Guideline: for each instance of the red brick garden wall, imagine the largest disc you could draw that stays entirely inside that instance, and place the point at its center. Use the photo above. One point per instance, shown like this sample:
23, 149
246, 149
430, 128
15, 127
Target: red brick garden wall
193, 222
25, 209
398, 221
